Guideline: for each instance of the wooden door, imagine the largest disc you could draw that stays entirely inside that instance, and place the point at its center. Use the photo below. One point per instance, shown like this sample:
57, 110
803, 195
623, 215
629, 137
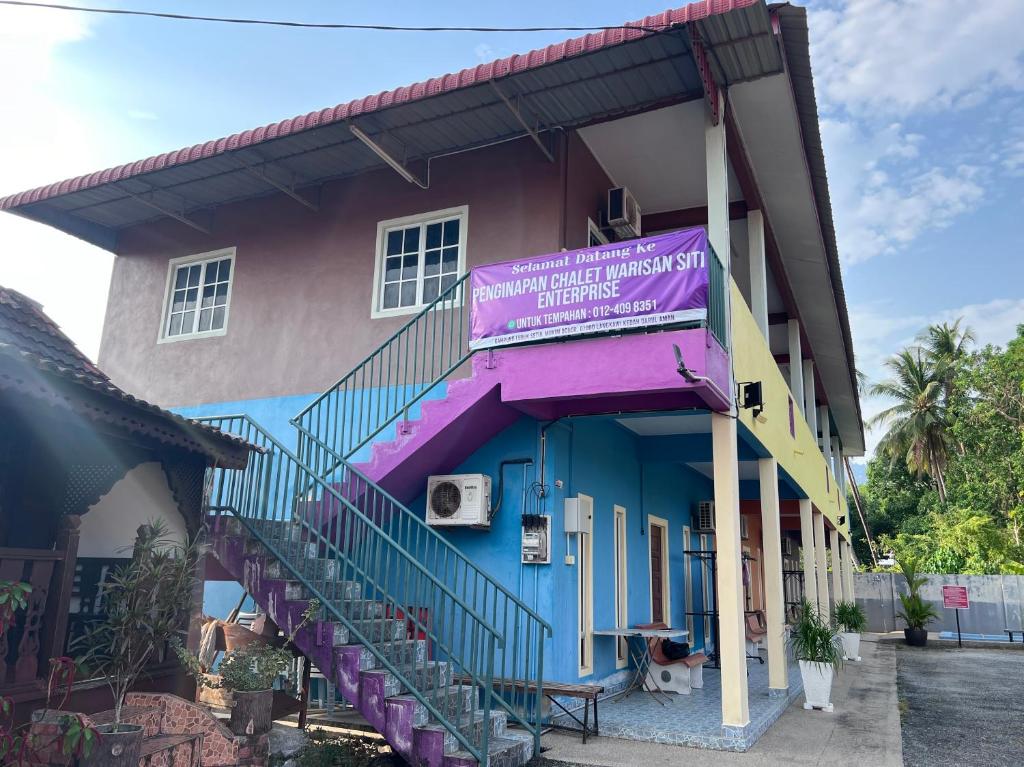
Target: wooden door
657, 576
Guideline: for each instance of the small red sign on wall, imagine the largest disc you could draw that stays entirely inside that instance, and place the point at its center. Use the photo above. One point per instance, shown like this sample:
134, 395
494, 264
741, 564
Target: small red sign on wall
955, 597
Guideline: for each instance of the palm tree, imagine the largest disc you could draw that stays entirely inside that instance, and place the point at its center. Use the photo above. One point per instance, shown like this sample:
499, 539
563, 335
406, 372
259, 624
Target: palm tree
946, 346
916, 427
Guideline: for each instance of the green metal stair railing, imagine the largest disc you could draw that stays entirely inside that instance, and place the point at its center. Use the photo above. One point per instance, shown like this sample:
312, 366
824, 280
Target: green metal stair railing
382, 387
487, 635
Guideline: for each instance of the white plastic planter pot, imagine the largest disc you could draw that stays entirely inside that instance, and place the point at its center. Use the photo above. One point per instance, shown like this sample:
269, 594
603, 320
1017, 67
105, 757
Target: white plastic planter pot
817, 685
851, 646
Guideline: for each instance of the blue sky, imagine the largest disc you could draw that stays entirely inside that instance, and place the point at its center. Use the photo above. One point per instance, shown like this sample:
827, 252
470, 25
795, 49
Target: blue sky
922, 107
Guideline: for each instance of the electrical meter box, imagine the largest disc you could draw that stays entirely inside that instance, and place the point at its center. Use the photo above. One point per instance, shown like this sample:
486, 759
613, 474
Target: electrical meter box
579, 514
536, 539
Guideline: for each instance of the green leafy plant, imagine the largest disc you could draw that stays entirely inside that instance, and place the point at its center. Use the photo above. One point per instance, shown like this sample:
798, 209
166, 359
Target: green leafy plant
331, 750
849, 617
916, 612
75, 736
814, 639
250, 668
147, 602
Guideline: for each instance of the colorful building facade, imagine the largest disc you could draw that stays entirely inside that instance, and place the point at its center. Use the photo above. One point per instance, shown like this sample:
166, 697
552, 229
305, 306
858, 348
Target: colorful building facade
314, 275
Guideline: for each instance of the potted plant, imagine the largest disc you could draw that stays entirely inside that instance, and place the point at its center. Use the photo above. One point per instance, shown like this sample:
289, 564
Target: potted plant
248, 672
815, 643
916, 612
851, 619
146, 602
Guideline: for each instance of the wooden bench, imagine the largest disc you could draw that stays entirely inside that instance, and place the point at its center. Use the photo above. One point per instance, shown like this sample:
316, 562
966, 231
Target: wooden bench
588, 693
1011, 632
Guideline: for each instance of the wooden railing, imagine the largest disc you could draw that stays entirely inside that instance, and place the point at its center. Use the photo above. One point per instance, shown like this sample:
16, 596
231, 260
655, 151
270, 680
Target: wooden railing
40, 630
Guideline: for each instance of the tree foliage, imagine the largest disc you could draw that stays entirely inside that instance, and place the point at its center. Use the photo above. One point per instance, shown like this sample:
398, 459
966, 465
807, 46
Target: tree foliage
946, 486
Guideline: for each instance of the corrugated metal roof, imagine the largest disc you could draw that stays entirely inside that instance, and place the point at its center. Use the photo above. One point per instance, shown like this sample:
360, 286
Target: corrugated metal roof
574, 82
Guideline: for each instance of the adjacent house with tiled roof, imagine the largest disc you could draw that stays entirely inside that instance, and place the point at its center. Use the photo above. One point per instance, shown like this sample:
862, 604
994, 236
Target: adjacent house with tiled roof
538, 353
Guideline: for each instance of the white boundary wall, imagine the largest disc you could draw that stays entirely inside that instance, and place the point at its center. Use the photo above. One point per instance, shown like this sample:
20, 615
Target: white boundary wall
997, 602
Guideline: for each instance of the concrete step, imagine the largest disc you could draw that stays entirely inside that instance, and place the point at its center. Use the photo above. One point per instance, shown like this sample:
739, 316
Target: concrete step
352, 659
430, 742
377, 685
513, 749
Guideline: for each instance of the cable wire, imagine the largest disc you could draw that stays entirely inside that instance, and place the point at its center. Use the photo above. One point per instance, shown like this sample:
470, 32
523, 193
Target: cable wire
322, 25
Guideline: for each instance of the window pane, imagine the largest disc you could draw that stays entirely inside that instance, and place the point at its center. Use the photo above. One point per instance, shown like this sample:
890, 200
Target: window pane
430, 289
432, 263
175, 327
391, 296
409, 293
447, 281
451, 232
191, 295
450, 260
410, 267
218, 318
193, 275
393, 269
433, 235
178, 304
394, 242
222, 294
210, 277
187, 322
208, 291
225, 270
205, 316
412, 240
181, 277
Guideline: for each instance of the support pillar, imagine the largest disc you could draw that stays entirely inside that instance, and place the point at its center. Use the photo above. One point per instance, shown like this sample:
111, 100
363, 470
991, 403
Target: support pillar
731, 636
820, 566
837, 465
847, 554
796, 364
807, 551
774, 594
826, 433
837, 567
758, 272
810, 397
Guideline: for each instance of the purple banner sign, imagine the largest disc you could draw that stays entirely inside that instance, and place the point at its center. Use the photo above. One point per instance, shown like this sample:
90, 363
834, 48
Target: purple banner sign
657, 280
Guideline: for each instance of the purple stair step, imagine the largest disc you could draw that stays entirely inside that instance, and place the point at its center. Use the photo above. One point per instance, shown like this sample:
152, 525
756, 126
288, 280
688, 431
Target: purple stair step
404, 712
432, 741
352, 659
377, 685
380, 630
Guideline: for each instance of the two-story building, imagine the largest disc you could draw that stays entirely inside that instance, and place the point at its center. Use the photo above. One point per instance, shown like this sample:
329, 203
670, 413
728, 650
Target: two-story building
665, 449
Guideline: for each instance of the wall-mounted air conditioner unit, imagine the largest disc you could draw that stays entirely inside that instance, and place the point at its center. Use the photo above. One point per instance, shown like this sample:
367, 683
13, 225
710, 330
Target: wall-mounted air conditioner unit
459, 499
623, 213
705, 522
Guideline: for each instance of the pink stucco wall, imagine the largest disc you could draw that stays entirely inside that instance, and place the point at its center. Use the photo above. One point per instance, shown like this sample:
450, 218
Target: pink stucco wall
301, 298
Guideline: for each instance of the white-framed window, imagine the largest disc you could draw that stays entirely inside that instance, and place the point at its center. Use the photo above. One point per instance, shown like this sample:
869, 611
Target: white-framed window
418, 257
198, 295
595, 236
621, 586
585, 593
688, 580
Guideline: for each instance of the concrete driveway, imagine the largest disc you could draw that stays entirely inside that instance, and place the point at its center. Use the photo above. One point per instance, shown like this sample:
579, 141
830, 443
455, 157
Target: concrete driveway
864, 730
961, 707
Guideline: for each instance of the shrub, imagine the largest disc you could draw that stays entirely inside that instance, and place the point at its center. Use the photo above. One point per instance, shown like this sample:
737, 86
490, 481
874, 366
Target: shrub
814, 639
850, 617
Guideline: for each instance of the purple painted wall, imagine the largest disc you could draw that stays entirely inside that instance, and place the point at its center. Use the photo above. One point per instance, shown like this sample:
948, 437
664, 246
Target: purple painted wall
301, 298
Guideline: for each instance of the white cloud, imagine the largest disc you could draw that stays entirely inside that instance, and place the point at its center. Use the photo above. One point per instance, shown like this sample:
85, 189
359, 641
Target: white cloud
67, 276
879, 330
898, 56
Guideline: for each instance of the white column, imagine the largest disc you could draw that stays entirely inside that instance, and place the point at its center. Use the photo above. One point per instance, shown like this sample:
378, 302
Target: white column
796, 364
837, 464
826, 432
758, 271
820, 565
837, 567
718, 186
731, 636
810, 406
774, 595
847, 553
807, 551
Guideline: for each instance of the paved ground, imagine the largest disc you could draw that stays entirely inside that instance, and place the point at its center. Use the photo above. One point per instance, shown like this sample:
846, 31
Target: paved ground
865, 730
961, 707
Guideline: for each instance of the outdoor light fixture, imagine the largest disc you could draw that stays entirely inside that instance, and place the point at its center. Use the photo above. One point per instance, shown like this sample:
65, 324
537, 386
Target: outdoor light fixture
750, 396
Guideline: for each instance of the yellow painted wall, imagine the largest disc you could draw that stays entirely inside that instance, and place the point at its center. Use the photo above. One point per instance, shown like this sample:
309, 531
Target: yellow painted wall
799, 456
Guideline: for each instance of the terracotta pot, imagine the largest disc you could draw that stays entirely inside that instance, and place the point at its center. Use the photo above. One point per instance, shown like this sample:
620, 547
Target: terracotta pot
916, 637
117, 747
251, 712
